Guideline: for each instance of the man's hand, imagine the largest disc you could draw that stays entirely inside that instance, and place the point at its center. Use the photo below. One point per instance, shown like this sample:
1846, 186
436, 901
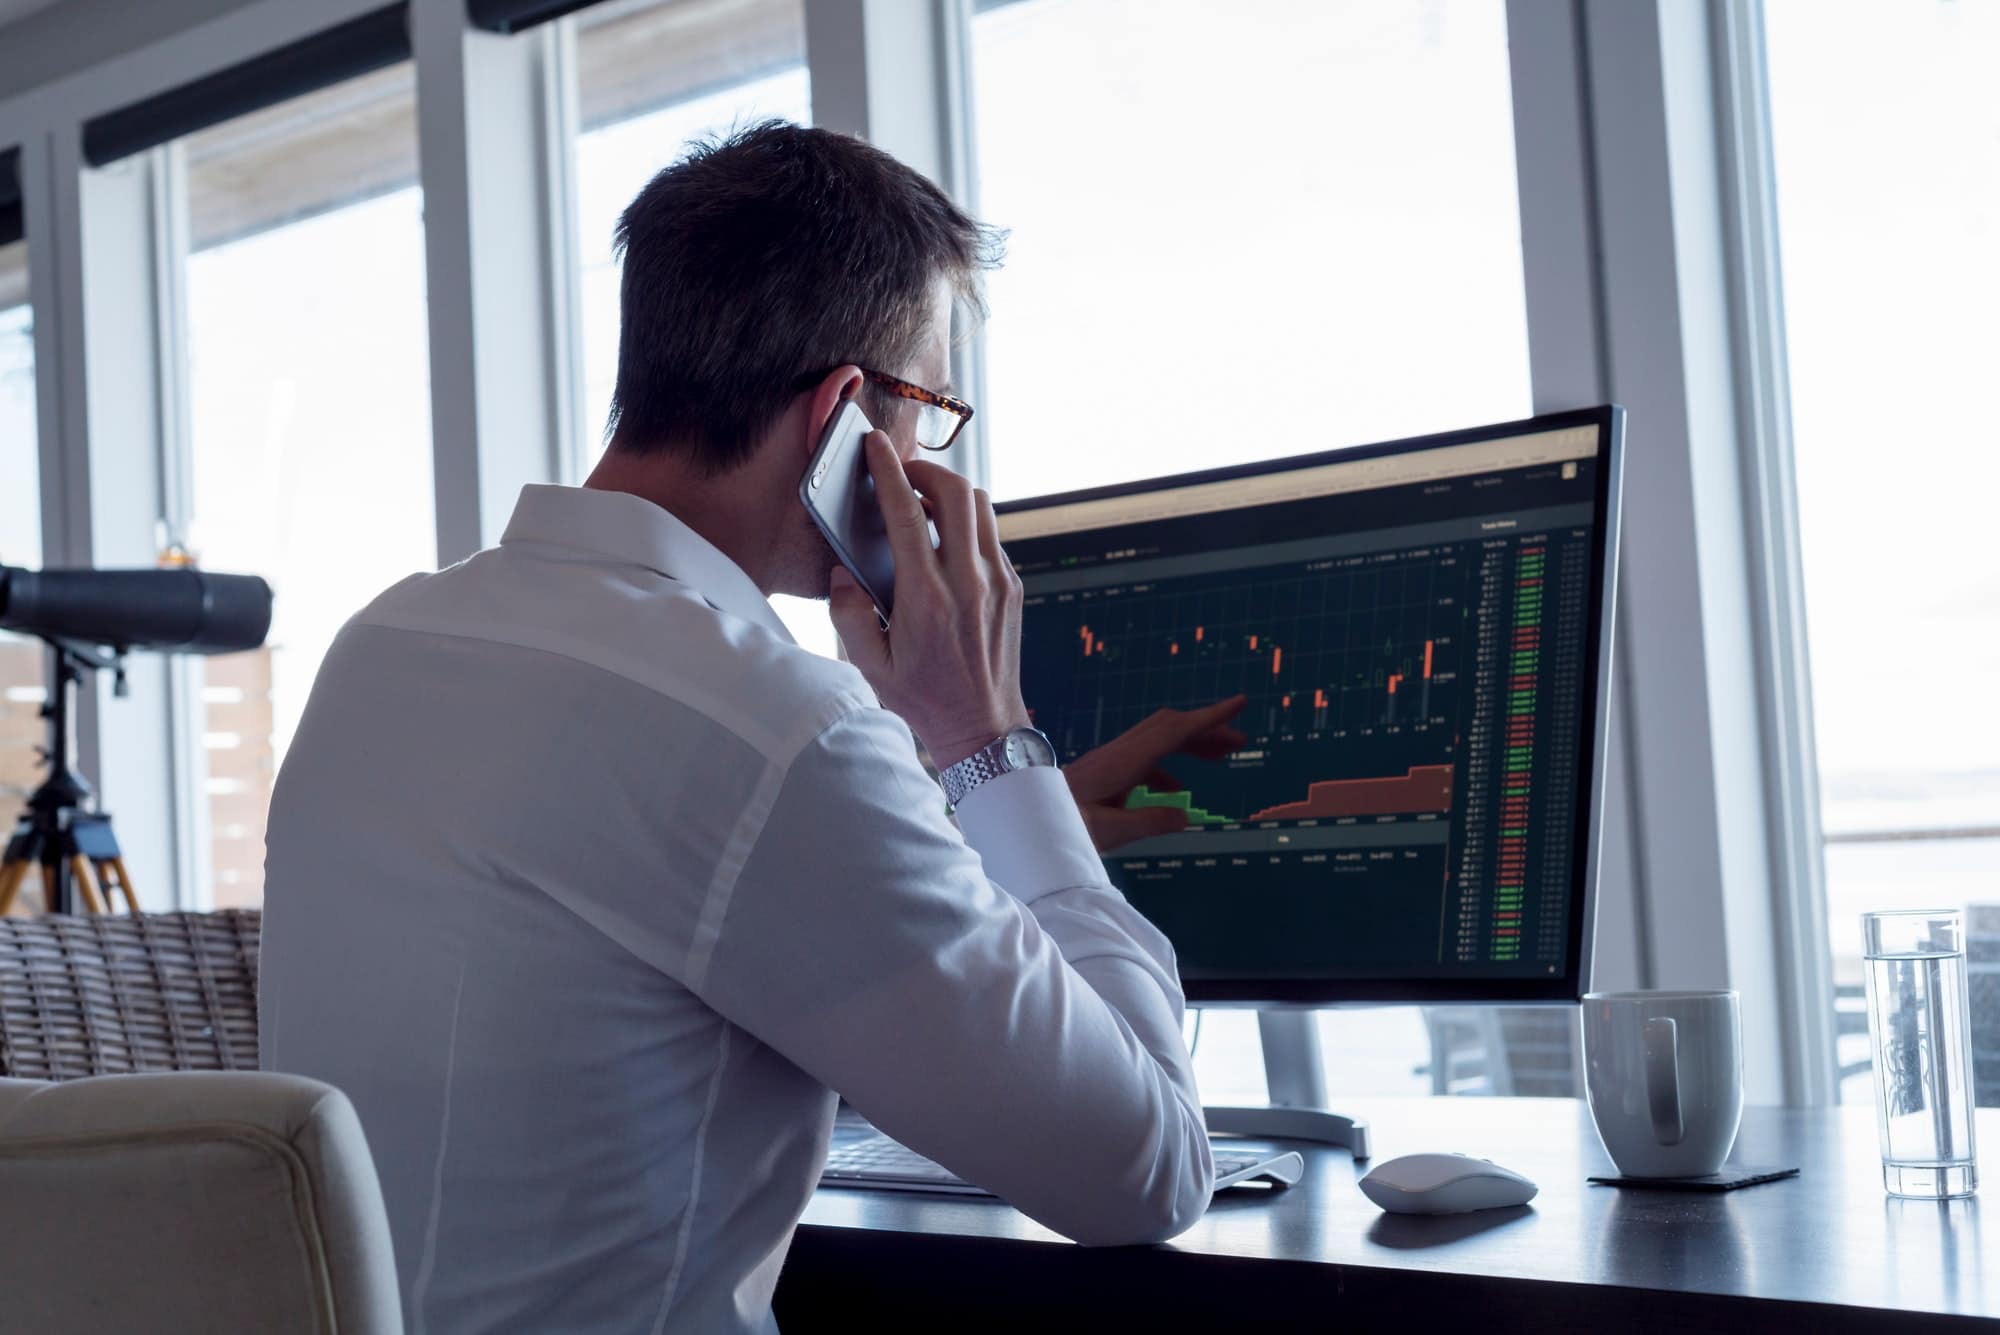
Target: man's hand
950, 662
1100, 780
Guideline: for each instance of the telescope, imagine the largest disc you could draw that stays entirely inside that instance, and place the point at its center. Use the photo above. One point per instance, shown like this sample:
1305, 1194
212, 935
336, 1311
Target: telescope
90, 620
168, 611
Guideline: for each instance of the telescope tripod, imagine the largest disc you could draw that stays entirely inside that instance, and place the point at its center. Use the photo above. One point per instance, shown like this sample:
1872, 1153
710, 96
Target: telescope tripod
75, 848
79, 859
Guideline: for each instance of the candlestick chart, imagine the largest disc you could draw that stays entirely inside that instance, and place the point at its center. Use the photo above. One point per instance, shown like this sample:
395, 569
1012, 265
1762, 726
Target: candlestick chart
1350, 662
1409, 728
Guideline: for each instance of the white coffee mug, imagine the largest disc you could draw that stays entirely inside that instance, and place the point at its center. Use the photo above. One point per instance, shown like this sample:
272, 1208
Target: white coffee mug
1664, 1071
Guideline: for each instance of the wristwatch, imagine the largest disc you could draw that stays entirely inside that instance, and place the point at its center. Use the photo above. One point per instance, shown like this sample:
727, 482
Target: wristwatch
1023, 748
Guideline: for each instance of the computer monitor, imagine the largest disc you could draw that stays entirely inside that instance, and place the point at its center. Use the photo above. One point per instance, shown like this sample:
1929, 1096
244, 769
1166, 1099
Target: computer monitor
1423, 629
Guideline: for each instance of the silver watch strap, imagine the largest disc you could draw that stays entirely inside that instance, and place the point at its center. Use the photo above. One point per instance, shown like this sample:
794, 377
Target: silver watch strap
959, 779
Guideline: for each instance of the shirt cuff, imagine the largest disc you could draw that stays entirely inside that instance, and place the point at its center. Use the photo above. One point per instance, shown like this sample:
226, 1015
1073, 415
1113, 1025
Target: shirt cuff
1025, 827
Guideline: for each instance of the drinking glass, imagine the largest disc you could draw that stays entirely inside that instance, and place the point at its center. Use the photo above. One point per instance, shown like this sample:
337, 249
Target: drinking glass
1920, 1034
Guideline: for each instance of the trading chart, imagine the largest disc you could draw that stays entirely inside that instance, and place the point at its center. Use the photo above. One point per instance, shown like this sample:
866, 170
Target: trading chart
1407, 792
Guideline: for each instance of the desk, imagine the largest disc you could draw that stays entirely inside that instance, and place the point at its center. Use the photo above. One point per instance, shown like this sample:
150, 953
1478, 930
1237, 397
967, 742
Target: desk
1826, 1251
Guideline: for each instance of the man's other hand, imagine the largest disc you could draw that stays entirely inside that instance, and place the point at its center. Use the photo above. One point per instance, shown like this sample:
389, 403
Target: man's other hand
1100, 780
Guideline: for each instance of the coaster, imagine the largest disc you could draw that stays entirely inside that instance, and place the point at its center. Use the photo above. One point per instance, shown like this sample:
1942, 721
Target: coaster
1731, 1177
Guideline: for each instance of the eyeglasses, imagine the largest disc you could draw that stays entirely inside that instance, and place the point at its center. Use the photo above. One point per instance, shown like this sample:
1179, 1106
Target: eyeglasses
940, 417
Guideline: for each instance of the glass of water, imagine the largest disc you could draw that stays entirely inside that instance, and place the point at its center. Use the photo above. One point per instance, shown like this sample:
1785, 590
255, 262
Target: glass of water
1920, 1033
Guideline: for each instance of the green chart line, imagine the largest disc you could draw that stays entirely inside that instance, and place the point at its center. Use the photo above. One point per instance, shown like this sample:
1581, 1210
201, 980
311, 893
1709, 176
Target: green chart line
1142, 796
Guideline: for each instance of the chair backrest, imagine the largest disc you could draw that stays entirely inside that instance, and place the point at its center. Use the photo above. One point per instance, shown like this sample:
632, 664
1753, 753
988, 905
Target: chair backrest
209, 1201
1505, 1050
103, 994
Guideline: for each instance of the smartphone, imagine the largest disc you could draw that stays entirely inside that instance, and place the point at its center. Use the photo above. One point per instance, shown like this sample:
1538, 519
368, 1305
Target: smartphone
839, 494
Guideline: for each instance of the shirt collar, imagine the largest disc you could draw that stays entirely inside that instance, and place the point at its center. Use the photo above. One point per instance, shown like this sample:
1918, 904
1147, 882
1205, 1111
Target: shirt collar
619, 526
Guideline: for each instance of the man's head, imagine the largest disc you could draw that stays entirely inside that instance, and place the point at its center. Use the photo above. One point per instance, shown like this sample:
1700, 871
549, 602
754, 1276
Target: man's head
760, 272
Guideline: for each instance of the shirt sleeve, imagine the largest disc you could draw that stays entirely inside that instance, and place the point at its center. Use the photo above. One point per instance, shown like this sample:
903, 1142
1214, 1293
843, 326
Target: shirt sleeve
1028, 1037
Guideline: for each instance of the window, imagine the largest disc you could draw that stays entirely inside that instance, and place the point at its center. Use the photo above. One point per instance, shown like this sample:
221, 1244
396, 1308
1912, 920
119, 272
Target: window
1889, 220
651, 79
21, 689
1322, 248
309, 405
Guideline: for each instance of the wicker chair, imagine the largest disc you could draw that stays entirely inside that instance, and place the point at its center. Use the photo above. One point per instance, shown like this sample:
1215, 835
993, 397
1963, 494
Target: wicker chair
100, 994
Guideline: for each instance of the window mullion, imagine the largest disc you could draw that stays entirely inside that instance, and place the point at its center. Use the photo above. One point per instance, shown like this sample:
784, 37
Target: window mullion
1624, 118
102, 297
185, 676
1563, 284
495, 417
561, 125
1778, 591
65, 532
961, 181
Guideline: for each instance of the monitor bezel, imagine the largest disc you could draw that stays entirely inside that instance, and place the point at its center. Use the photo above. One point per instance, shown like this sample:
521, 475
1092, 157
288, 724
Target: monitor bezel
1569, 986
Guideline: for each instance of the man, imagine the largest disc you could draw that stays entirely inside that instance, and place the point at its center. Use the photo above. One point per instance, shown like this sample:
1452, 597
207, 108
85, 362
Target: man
589, 887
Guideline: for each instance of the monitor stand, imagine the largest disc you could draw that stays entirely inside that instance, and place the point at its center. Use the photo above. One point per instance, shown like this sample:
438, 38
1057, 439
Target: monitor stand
1297, 1081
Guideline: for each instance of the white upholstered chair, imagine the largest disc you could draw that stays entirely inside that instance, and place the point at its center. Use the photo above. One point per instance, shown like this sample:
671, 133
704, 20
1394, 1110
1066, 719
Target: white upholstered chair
210, 1201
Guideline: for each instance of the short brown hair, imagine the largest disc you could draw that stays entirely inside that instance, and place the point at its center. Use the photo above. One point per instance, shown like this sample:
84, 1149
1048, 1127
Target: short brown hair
775, 253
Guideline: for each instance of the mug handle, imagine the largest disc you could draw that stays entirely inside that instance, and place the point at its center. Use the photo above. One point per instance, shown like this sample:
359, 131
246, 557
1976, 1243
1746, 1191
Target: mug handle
1660, 1039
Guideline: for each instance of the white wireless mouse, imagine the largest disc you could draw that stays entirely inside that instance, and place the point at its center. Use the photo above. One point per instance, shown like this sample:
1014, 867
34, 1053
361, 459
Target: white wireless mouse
1444, 1184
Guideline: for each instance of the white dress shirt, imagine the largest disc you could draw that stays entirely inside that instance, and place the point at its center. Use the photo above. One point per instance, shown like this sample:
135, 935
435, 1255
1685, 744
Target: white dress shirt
589, 887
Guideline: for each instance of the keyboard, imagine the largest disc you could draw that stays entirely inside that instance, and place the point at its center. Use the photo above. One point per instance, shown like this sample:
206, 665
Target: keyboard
881, 1164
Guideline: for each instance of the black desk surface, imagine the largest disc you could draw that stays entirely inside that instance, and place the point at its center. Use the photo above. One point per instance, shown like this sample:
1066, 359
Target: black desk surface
1828, 1248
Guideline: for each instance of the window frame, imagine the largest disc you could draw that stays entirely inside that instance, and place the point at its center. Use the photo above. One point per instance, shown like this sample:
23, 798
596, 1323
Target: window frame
1640, 140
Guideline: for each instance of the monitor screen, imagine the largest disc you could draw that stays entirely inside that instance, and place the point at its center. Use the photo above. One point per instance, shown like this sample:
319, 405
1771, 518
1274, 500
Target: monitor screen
1422, 630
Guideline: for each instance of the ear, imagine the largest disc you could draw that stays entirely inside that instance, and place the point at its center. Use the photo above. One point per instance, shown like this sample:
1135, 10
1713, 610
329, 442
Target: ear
834, 388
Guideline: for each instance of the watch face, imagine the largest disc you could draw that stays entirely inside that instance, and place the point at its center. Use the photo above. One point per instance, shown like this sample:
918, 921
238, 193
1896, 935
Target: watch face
1027, 746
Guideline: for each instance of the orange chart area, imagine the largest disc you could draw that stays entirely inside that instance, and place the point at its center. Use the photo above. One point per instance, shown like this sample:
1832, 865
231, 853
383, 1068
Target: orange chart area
1424, 788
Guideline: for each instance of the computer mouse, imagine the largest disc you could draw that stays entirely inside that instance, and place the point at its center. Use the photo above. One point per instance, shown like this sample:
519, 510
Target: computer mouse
1444, 1184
